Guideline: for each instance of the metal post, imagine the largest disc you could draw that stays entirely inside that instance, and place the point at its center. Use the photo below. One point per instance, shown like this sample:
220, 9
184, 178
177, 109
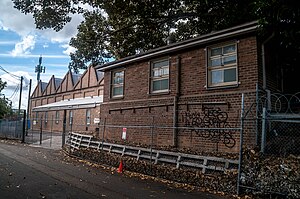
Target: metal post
20, 97
152, 128
23, 129
28, 105
63, 140
41, 130
256, 114
71, 124
263, 131
241, 146
103, 133
51, 129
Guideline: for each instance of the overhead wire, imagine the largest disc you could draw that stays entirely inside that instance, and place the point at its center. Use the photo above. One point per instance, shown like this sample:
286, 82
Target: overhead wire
12, 75
15, 92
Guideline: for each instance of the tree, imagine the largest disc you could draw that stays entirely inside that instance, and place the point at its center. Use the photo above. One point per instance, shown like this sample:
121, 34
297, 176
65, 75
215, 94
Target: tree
4, 107
118, 28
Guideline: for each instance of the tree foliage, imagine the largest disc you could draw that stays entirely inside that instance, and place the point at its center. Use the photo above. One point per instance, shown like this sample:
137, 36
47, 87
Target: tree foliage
120, 28
4, 107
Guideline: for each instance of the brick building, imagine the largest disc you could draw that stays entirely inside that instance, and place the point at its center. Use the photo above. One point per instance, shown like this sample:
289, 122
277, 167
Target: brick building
194, 83
186, 95
76, 97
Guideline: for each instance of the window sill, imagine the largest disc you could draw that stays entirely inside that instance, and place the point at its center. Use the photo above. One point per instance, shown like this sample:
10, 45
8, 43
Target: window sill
235, 85
117, 98
160, 93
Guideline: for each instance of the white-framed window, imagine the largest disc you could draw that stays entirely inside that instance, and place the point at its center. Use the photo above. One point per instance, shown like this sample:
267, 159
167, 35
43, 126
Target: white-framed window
71, 117
159, 76
222, 65
117, 83
56, 117
88, 116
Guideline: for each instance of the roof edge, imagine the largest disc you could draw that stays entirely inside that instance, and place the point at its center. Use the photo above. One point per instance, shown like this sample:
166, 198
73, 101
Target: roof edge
233, 31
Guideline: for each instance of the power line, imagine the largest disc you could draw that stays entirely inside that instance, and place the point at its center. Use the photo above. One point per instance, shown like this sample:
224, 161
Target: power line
12, 75
15, 92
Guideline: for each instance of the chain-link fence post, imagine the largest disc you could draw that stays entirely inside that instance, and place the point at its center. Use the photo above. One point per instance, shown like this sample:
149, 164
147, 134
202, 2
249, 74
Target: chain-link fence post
41, 130
24, 125
51, 130
151, 145
63, 140
241, 146
263, 131
103, 133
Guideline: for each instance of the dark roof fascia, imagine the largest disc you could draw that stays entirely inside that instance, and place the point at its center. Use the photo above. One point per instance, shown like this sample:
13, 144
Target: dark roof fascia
214, 36
64, 92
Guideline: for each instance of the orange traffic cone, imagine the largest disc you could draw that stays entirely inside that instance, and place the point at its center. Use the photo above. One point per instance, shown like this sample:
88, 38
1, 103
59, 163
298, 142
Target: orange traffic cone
120, 169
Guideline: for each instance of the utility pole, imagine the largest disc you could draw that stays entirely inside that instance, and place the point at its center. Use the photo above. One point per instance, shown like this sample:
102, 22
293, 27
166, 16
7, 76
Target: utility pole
20, 98
39, 69
28, 104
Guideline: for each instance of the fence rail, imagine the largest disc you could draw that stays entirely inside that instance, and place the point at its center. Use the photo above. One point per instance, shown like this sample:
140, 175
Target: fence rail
179, 160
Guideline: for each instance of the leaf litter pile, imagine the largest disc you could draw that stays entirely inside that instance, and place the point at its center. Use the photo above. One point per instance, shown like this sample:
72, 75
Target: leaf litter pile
260, 177
270, 175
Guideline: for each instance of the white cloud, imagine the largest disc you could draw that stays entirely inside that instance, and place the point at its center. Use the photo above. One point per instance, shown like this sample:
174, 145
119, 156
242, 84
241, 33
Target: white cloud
45, 45
7, 42
24, 47
12, 19
69, 49
37, 56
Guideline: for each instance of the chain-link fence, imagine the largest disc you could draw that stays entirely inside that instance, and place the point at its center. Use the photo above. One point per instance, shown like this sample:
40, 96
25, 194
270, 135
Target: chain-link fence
271, 169
13, 127
158, 132
281, 136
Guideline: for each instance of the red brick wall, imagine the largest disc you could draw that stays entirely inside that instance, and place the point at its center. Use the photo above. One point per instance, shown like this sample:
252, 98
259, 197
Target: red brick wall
137, 107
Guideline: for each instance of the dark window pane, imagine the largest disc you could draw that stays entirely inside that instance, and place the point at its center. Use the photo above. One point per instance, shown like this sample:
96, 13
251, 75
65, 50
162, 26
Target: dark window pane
230, 75
160, 84
216, 51
230, 60
164, 84
117, 91
156, 85
229, 49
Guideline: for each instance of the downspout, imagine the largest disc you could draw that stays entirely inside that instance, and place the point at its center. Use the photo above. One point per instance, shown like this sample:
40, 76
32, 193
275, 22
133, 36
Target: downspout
264, 71
264, 61
176, 97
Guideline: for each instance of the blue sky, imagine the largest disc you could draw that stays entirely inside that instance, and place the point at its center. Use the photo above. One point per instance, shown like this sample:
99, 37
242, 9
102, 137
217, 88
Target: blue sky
21, 45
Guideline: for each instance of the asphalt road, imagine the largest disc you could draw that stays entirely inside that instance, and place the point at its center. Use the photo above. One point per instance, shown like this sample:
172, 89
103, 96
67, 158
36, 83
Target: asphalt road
31, 172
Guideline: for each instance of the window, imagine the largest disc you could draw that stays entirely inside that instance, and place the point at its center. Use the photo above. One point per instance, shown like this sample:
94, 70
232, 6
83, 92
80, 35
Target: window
71, 117
117, 84
56, 117
88, 117
222, 65
160, 76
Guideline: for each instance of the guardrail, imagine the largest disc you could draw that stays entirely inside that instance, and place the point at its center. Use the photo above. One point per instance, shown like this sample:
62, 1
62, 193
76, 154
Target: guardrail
77, 141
